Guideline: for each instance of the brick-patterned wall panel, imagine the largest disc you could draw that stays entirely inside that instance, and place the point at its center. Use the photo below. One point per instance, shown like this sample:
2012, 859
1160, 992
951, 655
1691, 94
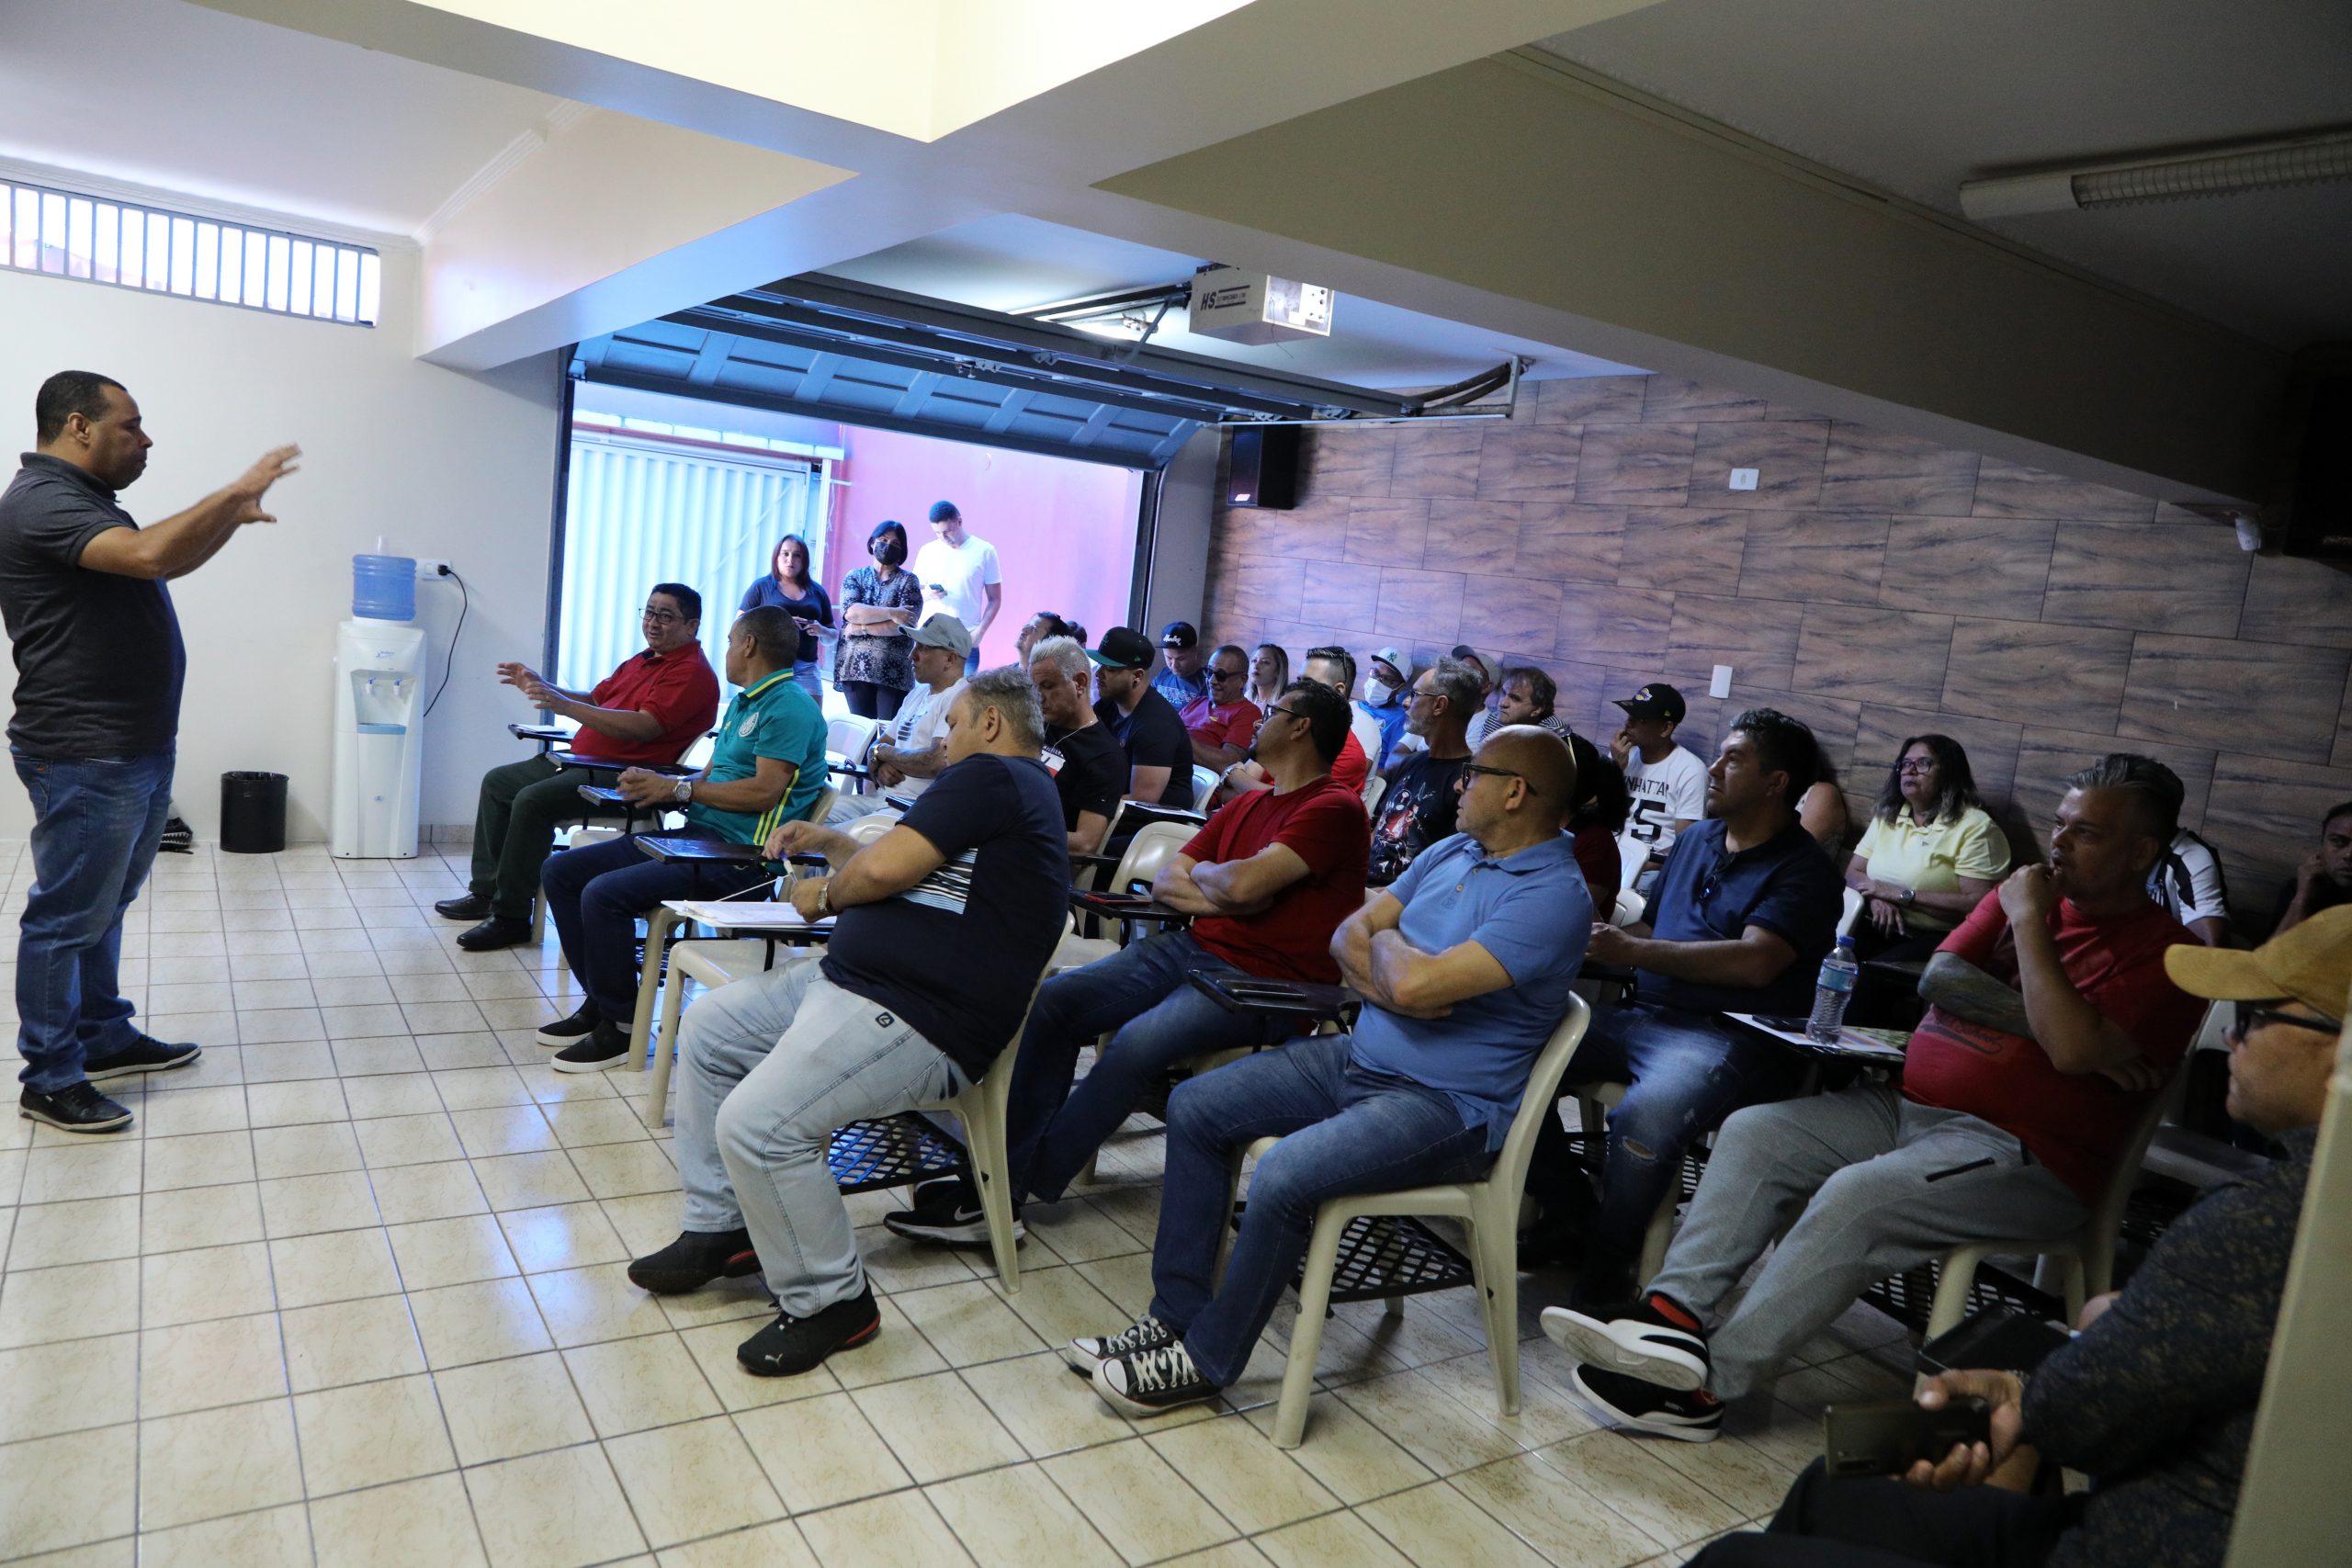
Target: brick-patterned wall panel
1874, 585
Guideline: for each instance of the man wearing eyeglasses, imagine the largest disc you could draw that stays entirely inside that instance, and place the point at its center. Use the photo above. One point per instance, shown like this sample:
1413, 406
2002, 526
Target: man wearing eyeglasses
649, 711
1222, 723
2050, 1026
2154, 1398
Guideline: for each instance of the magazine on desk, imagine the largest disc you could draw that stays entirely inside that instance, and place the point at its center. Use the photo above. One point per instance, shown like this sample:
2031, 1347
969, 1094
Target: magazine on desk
1875, 1044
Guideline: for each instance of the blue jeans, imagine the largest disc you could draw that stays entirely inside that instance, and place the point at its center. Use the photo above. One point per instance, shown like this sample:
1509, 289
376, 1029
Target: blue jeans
1687, 1072
1053, 1130
96, 821
596, 893
1343, 1130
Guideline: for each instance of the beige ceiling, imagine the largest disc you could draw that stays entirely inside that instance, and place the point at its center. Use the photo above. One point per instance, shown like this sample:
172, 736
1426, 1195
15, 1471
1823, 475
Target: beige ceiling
1914, 98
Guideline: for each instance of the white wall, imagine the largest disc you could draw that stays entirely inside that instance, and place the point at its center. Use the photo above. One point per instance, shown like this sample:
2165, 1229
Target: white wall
438, 462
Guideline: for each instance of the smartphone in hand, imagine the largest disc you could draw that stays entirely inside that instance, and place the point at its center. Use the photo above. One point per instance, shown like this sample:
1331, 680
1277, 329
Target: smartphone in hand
1888, 1436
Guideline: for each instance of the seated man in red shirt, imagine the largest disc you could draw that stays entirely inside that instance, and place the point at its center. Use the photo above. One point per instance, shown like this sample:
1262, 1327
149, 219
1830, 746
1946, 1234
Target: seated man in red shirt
649, 711
1350, 767
1222, 723
2050, 1026
1267, 880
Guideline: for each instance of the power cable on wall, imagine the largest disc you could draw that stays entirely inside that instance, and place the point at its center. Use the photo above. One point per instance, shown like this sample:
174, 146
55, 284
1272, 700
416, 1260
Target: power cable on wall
465, 603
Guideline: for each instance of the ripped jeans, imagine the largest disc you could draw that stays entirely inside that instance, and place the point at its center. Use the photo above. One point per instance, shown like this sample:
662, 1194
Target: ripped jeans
1686, 1072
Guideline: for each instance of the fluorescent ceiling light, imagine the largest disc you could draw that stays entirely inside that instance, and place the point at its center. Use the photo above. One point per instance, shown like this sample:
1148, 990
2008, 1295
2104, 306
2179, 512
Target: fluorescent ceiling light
2315, 158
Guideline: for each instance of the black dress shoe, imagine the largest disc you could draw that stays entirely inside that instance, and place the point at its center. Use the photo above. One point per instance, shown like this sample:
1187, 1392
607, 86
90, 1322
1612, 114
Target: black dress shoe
469, 907
143, 1054
693, 1260
76, 1108
494, 933
792, 1344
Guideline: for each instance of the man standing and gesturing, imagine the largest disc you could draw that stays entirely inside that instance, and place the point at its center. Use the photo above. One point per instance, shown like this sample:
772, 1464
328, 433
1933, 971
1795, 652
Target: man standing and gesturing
99, 666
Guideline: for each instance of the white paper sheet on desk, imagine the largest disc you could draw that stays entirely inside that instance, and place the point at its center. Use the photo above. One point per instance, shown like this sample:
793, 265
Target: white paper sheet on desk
1850, 1042
773, 915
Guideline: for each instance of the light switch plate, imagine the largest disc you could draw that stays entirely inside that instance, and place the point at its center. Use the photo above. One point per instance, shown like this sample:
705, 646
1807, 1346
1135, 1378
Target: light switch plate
1743, 478
1720, 685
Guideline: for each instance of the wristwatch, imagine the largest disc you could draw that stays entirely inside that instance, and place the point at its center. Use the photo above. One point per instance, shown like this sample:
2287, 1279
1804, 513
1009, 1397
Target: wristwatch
1910, 897
685, 792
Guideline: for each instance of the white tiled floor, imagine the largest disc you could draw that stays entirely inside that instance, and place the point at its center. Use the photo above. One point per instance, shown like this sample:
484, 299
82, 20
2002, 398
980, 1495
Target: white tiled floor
350, 1292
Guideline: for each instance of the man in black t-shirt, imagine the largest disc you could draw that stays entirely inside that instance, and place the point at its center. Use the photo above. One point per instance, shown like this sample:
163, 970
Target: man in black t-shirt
1089, 765
99, 666
1418, 807
1159, 747
942, 929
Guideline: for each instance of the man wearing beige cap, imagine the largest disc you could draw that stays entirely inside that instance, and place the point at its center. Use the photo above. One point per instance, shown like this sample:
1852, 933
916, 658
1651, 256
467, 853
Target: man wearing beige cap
2154, 1398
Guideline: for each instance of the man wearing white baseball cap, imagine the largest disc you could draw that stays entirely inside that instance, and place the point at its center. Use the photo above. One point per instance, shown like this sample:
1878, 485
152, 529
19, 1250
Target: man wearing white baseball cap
912, 747
1386, 690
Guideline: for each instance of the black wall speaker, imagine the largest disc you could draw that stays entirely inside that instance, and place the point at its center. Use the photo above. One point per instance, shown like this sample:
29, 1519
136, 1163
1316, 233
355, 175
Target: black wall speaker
1265, 466
2319, 518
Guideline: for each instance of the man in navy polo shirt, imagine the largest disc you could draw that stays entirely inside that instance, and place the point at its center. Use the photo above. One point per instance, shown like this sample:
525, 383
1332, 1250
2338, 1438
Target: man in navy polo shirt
1739, 919
1464, 963
767, 766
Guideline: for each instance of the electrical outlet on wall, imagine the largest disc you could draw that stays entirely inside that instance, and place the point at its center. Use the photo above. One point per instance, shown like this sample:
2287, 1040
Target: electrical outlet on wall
1720, 685
428, 570
1743, 478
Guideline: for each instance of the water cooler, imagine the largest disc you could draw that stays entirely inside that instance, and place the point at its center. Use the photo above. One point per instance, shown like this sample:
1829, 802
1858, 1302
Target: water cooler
379, 714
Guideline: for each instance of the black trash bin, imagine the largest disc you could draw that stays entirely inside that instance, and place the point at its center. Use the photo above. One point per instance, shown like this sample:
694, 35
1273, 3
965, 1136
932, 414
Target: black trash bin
252, 813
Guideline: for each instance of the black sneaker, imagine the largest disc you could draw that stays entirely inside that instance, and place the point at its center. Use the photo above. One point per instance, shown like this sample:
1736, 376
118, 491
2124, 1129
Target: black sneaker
143, 1054
1152, 1383
564, 1031
1632, 1338
1146, 1333
76, 1108
605, 1046
495, 934
949, 1214
791, 1346
1688, 1417
693, 1260
469, 907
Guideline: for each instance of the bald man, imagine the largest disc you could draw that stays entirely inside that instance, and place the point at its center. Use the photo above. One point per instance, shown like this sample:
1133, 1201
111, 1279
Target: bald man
1465, 964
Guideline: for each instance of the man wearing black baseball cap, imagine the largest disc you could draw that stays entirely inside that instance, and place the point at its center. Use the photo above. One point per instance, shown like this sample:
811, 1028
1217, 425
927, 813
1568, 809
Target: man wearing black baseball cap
1669, 785
1183, 680
1160, 749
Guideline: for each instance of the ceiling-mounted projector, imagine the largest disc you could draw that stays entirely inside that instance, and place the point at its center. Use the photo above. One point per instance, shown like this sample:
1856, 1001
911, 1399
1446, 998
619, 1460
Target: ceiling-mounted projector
1249, 307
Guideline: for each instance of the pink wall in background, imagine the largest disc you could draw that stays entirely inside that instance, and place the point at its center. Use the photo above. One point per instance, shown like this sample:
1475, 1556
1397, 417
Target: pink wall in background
1064, 531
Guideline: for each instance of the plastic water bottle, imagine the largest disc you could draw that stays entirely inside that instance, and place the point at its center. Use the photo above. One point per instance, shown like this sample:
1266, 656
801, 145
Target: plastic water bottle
1835, 990
383, 587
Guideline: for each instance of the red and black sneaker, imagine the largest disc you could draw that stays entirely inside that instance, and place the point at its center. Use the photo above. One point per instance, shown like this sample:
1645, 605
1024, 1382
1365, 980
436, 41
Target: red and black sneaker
693, 1260
792, 1344
1695, 1416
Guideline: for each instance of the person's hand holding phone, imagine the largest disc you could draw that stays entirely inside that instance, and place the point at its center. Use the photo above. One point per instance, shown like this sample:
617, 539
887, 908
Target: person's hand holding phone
1972, 1464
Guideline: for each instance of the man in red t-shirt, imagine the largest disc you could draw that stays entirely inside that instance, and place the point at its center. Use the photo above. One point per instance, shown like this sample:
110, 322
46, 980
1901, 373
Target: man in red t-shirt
1222, 723
1350, 767
649, 711
2052, 1028
1267, 881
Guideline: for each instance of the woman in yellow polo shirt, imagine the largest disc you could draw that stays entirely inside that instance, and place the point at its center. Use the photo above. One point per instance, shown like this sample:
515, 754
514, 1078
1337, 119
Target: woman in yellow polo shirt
1929, 854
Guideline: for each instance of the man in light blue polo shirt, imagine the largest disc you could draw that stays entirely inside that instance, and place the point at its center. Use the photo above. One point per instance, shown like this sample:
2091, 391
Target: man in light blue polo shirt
767, 765
1464, 963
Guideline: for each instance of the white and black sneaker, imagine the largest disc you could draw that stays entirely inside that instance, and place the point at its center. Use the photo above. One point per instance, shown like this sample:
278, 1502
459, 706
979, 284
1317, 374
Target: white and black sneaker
1686, 1416
946, 1212
604, 1047
76, 1108
1152, 1383
1146, 1333
564, 1031
1634, 1338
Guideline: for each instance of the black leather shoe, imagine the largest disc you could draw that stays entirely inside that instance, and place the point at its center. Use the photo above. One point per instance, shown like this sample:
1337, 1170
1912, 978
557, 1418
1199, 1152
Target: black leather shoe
494, 933
76, 1108
792, 1344
469, 907
143, 1054
693, 1260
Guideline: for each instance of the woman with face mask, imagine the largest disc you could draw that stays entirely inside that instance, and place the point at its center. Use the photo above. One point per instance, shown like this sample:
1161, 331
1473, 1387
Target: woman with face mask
874, 663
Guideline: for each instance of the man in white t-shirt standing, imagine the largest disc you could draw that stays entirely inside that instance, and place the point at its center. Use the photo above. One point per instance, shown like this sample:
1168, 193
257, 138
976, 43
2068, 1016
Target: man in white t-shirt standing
1669, 785
912, 747
959, 577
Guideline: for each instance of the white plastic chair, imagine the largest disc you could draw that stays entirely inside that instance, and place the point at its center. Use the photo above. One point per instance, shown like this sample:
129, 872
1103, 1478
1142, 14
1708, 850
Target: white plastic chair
1633, 854
2084, 1258
1852, 914
1629, 907
1375, 787
1204, 783
1592, 1099
849, 742
1488, 1207
1153, 846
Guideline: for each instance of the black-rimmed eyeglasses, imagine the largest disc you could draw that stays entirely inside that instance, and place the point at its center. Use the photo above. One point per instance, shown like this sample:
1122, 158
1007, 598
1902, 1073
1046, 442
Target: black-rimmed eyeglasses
1462, 780
663, 617
2249, 1018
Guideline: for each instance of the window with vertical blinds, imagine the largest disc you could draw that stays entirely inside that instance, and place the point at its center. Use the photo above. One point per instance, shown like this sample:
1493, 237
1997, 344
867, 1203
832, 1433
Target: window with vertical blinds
643, 511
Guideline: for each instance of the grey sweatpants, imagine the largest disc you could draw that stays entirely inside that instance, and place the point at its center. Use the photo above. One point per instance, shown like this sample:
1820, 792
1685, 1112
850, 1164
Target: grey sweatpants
770, 1067
1850, 1175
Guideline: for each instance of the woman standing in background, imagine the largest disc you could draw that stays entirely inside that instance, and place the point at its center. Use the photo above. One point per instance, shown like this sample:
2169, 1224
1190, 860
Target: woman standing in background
874, 664
787, 586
